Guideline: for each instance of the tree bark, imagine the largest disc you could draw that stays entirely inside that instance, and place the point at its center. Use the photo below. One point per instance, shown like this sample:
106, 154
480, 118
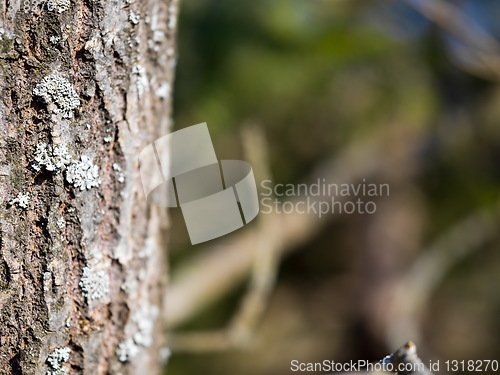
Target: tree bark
84, 86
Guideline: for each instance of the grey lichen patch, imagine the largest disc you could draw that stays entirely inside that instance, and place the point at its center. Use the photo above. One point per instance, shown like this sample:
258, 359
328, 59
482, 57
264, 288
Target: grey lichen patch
143, 321
58, 6
94, 283
22, 200
6, 43
129, 286
83, 173
172, 15
56, 359
53, 159
54, 39
57, 90
134, 18
61, 223
127, 350
6, 34
141, 79
165, 354
120, 175
163, 91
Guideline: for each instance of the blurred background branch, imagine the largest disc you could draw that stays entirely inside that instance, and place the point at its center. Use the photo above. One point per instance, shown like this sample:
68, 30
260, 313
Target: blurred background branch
263, 271
417, 286
214, 272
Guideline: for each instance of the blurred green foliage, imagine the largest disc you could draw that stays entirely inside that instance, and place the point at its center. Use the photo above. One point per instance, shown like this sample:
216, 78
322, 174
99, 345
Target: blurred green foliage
300, 69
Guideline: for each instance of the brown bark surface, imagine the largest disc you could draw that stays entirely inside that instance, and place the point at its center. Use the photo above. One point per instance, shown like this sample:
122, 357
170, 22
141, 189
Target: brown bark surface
84, 86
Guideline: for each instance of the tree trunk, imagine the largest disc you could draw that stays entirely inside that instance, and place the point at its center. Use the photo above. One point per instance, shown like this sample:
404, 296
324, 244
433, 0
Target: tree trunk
85, 85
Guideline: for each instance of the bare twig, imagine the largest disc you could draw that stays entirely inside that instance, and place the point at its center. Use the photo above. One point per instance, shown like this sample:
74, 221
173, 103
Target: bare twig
263, 275
222, 266
268, 256
404, 361
420, 282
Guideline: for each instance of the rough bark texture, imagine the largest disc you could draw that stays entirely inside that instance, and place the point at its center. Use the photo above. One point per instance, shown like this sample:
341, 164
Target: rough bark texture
84, 86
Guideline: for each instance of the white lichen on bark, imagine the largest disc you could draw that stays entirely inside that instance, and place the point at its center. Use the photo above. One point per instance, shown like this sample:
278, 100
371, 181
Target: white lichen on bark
58, 6
56, 360
57, 90
94, 283
83, 173
22, 200
142, 326
53, 159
